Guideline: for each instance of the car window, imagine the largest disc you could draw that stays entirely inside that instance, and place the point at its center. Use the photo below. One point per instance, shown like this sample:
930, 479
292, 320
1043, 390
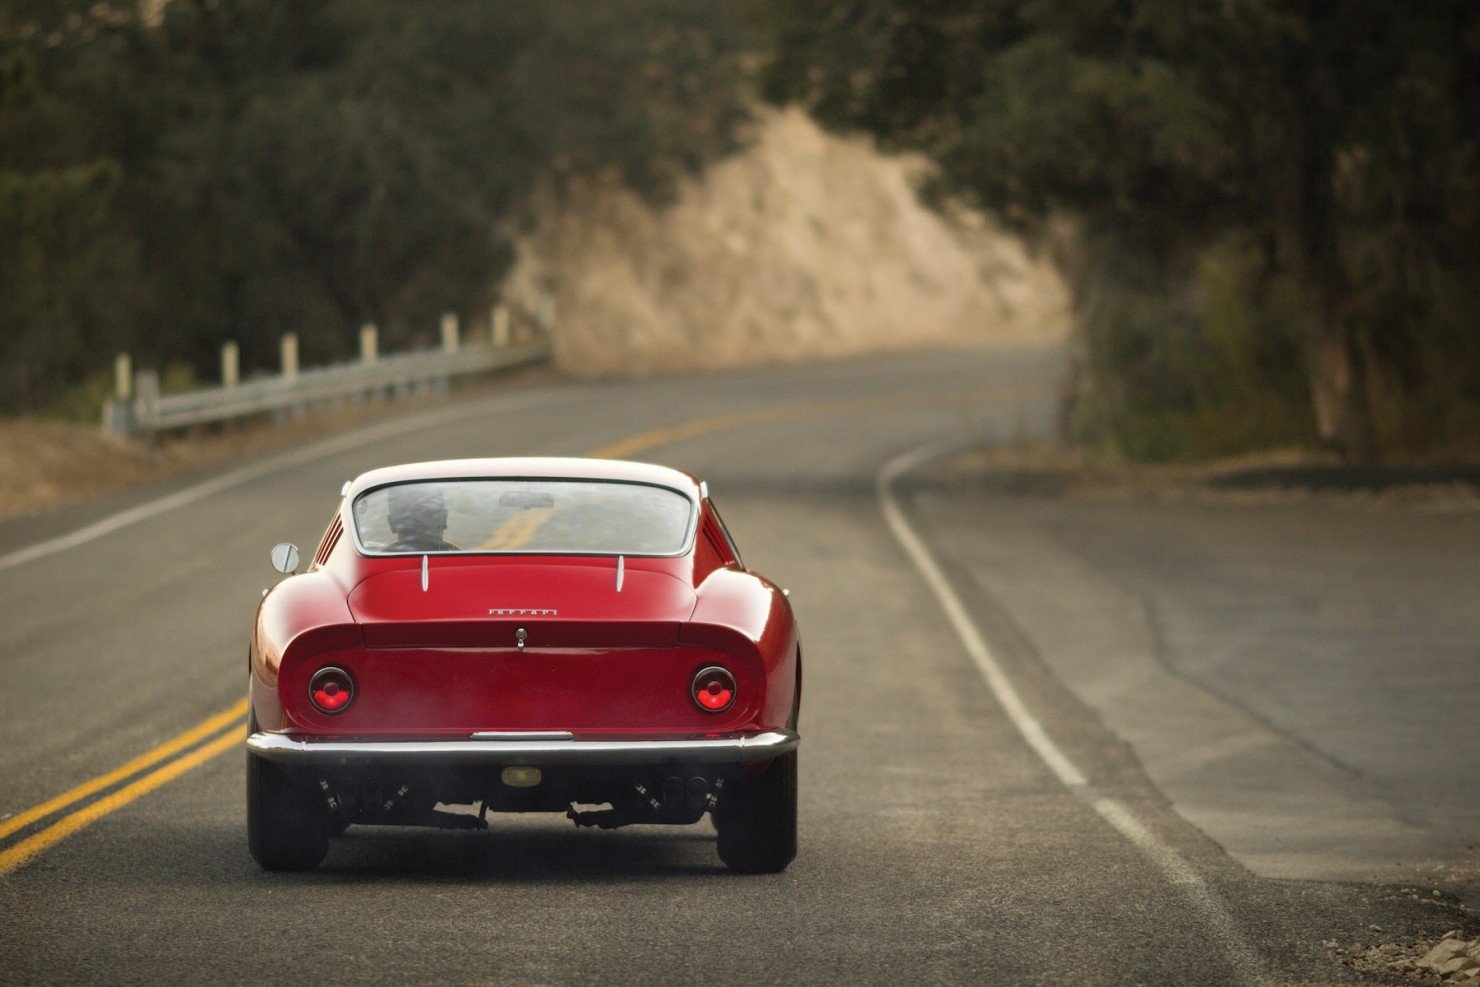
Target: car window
594, 517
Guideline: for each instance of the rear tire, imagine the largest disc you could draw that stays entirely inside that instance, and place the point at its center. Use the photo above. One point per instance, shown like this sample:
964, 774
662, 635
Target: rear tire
287, 823
757, 819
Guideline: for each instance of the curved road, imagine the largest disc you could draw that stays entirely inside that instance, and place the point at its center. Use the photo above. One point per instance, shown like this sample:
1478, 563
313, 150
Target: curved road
941, 839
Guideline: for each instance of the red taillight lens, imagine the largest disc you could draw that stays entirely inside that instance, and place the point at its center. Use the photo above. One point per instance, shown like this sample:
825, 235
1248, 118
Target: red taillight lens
331, 690
714, 689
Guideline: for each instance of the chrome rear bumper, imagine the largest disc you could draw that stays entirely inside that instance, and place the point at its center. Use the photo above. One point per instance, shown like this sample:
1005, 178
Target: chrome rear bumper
539, 749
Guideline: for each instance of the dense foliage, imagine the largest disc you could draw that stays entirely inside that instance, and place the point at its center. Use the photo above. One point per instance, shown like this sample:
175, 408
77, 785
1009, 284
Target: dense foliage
1272, 206
1277, 202
179, 173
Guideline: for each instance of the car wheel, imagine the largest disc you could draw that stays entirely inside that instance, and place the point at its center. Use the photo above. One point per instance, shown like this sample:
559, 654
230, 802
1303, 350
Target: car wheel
287, 824
757, 819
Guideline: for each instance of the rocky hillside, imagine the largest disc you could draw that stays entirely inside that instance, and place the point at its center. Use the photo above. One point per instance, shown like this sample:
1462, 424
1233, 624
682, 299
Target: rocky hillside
804, 245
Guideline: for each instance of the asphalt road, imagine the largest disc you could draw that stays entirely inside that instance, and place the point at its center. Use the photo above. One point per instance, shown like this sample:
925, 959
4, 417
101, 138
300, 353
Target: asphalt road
939, 841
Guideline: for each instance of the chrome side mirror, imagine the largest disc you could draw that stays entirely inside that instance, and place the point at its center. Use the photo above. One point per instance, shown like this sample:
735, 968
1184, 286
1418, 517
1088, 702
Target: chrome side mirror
285, 558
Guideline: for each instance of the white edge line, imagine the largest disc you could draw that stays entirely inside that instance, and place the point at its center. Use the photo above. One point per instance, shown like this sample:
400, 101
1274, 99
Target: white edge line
1115, 812
1007, 695
246, 474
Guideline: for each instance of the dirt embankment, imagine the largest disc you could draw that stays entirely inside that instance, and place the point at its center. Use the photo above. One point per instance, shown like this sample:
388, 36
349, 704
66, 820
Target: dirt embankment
804, 245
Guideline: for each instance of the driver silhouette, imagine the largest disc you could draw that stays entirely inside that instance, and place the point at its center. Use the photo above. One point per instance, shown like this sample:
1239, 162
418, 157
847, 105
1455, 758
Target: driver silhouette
418, 515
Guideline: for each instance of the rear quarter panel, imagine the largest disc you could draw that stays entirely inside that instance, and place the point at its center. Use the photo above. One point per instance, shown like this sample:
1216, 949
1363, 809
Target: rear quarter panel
747, 616
302, 616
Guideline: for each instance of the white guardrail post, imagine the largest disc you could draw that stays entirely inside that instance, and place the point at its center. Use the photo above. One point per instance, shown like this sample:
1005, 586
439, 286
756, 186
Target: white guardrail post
289, 349
231, 367
498, 326
369, 343
137, 406
451, 336
288, 359
146, 402
369, 353
123, 377
118, 410
451, 343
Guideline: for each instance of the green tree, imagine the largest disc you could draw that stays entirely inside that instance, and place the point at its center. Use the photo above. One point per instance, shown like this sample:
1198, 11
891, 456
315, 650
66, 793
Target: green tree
66, 270
235, 169
1339, 140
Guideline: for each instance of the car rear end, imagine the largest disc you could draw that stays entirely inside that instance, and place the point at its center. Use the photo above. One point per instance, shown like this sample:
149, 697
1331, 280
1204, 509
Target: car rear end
563, 683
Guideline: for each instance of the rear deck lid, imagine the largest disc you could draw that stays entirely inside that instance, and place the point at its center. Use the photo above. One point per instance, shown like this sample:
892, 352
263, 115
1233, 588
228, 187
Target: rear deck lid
566, 603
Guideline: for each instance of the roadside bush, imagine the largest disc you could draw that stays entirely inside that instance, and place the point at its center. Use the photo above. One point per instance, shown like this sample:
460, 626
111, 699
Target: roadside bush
1216, 368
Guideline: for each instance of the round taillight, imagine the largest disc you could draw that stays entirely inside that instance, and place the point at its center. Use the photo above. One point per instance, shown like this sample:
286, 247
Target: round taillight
331, 690
714, 689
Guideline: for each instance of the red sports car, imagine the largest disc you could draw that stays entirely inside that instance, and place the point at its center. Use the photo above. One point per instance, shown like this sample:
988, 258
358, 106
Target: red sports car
523, 635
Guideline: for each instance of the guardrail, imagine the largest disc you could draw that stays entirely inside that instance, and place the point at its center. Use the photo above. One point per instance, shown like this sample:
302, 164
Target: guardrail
139, 409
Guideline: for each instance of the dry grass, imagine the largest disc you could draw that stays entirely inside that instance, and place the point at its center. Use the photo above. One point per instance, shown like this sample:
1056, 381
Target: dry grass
43, 464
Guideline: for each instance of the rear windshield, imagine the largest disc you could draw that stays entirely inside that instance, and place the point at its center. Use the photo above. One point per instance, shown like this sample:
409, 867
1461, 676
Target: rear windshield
523, 516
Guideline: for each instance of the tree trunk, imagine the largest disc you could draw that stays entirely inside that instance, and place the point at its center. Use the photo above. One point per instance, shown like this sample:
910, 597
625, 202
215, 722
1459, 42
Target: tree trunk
1339, 393
1306, 247
1300, 145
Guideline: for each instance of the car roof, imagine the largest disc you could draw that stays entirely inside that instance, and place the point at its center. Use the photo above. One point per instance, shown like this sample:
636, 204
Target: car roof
551, 467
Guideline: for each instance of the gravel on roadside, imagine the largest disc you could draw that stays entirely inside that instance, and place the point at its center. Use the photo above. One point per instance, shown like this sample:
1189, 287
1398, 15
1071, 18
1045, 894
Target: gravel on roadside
1451, 959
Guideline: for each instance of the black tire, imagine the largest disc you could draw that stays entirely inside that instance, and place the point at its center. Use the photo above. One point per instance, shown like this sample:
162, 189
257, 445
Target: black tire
287, 823
757, 819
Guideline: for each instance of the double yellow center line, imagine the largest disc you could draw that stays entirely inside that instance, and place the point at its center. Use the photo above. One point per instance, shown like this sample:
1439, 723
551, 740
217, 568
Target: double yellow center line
229, 720
221, 732
518, 530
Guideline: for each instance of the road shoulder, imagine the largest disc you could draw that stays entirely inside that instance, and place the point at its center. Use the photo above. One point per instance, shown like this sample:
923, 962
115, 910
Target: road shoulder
1275, 802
